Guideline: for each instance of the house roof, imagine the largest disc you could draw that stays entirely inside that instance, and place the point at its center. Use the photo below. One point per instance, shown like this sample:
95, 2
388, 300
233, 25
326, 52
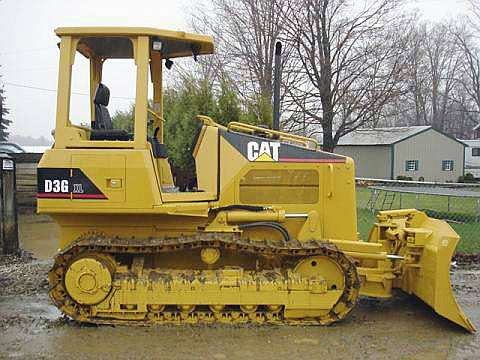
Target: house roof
381, 136
386, 136
472, 143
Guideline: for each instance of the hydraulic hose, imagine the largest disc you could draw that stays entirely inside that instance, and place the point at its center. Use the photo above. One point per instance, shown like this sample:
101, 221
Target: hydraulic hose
241, 207
267, 224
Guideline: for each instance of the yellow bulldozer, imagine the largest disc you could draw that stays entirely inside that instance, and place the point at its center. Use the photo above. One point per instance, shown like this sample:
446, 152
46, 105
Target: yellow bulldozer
268, 235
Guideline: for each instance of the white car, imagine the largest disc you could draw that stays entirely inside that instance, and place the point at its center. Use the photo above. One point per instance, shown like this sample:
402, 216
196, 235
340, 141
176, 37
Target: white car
7, 147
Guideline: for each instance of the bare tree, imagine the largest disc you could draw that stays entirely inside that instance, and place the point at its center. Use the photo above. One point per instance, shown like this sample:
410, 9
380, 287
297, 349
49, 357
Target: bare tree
437, 85
443, 63
467, 39
246, 32
417, 79
468, 78
474, 16
350, 62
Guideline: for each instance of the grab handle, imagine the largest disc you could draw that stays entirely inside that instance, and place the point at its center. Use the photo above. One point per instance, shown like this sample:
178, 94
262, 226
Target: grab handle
331, 182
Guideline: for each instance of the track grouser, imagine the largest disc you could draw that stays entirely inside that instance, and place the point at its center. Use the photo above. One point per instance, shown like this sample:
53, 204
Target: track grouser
267, 235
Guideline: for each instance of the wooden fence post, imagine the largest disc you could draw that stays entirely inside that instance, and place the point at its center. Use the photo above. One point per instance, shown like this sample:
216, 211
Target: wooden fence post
8, 206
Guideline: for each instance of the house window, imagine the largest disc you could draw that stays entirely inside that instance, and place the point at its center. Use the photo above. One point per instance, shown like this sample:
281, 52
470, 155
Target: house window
447, 165
411, 165
475, 151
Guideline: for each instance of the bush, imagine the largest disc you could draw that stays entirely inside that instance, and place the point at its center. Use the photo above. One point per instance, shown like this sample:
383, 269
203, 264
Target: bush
404, 178
468, 178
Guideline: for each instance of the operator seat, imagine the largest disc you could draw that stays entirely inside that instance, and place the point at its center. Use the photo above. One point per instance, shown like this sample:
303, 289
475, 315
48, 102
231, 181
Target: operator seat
102, 121
102, 126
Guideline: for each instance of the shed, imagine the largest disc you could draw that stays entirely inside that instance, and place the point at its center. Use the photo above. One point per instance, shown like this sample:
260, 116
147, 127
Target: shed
419, 152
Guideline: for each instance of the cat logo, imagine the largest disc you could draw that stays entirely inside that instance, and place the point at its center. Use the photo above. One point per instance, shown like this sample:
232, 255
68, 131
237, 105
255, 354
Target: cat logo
265, 151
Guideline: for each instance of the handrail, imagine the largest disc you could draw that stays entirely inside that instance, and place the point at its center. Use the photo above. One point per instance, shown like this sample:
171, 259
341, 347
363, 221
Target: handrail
151, 112
159, 136
87, 129
207, 120
251, 129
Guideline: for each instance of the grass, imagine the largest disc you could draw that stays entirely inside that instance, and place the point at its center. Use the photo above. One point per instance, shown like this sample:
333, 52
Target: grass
365, 221
465, 206
462, 214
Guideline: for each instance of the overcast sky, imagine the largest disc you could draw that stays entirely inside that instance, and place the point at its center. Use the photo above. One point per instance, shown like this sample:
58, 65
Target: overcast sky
29, 56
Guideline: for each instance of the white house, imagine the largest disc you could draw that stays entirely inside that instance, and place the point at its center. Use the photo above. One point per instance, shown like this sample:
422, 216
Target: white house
472, 157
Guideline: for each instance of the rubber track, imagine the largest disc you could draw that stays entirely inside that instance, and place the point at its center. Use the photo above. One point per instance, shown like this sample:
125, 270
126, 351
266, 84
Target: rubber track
102, 244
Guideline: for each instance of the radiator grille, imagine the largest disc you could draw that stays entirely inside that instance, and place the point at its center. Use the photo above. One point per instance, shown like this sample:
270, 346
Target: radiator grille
279, 187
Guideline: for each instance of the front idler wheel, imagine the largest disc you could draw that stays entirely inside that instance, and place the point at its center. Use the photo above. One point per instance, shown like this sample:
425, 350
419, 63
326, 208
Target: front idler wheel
88, 280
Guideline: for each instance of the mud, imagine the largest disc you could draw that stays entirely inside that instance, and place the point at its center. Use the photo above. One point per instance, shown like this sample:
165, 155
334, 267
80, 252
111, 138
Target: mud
403, 328
38, 234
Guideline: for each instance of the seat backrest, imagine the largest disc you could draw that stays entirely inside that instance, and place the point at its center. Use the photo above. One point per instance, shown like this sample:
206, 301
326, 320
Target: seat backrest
102, 116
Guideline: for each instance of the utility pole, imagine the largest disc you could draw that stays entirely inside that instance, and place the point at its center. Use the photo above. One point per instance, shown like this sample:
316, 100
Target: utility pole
304, 117
276, 86
8, 206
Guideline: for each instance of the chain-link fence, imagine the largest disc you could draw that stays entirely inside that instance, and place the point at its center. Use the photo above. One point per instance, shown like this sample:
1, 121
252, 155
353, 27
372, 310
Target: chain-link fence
458, 204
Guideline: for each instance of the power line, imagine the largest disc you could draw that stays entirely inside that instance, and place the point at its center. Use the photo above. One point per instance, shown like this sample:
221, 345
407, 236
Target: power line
10, 68
26, 51
54, 91
34, 88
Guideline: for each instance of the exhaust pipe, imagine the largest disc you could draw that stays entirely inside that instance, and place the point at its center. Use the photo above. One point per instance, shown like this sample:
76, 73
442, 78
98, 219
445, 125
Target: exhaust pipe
276, 86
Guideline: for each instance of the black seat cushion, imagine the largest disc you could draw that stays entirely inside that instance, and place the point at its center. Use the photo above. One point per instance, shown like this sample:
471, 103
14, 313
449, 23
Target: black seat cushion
112, 134
102, 126
102, 119
159, 150
102, 95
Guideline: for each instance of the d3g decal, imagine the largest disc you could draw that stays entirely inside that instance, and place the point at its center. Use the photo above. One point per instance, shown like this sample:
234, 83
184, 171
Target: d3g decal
63, 183
263, 151
56, 186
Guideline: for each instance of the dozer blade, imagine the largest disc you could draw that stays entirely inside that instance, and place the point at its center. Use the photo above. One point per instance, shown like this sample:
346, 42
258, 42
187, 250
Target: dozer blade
429, 279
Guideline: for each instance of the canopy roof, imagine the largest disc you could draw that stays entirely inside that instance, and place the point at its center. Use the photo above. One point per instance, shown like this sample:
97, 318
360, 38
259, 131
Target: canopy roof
112, 42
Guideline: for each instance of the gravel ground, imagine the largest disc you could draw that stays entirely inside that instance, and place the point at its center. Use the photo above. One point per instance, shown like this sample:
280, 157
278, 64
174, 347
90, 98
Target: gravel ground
23, 275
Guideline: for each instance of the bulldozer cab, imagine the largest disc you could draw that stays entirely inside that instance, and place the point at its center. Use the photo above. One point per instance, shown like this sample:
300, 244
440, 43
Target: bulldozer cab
150, 50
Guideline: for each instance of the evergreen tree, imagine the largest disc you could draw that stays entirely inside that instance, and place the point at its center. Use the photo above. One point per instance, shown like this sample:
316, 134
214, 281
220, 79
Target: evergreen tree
191, 97
4, 122
123, 119
181, 104
228, 104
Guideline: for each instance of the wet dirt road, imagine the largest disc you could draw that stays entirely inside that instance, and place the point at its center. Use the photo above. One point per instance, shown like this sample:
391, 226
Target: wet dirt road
404, 328
38, 235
